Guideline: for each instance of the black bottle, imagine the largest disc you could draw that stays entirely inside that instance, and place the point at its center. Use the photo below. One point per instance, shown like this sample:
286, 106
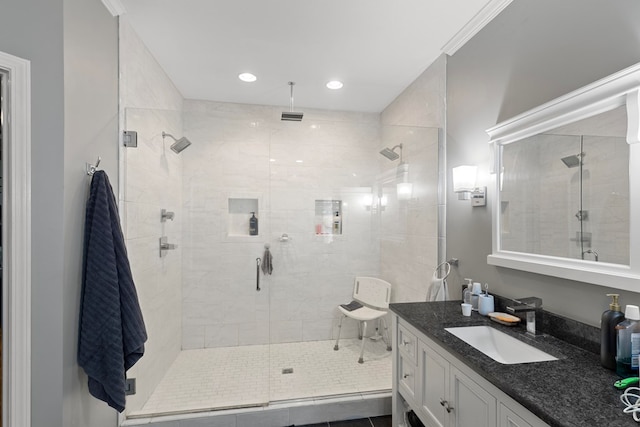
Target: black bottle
610, 319
253, 225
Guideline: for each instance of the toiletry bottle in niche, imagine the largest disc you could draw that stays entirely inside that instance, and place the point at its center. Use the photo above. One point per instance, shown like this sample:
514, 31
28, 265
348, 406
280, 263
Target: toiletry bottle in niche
253, 225
337, 223
610, 318
623, 350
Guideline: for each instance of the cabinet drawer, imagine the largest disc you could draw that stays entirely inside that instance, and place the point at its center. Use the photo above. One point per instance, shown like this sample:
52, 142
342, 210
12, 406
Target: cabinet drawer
407, 344
407, 377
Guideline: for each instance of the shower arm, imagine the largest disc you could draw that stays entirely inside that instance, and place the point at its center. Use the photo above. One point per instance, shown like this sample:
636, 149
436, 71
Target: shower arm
398, 146
291, 84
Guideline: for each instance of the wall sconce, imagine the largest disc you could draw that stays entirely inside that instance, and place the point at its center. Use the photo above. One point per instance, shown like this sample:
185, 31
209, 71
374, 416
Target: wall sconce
404, 188
367, 201
379, 203
464, 183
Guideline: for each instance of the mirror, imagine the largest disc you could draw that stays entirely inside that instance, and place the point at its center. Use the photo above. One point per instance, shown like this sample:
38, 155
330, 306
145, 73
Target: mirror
566, 187
565, 192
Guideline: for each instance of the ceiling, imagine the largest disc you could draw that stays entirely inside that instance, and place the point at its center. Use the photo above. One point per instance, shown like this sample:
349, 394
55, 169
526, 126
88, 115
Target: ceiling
375, 47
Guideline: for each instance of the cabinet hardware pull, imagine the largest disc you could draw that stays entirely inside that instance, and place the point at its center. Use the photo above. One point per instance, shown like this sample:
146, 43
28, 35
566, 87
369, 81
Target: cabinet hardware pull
406, 376
405, 343
446, 405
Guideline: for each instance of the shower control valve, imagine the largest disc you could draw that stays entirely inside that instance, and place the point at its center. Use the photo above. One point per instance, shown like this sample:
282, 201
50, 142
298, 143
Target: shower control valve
166, 246
165, 215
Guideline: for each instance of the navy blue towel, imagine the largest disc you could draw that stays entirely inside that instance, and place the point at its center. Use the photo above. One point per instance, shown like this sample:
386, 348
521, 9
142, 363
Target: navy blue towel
112, 332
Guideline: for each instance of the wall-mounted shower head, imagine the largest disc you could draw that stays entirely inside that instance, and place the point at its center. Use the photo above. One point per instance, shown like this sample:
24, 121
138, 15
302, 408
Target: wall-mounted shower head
391, 154
179, 144
291, 116
572, 161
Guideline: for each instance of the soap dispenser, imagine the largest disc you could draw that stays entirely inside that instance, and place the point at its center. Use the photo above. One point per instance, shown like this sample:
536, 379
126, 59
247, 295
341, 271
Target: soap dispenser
610, 318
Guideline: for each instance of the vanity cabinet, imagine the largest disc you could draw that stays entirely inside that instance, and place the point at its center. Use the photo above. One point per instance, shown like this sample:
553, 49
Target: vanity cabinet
447, 397
443, 391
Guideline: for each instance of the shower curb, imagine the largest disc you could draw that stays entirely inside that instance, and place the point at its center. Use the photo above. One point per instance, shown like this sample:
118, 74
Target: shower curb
282, 413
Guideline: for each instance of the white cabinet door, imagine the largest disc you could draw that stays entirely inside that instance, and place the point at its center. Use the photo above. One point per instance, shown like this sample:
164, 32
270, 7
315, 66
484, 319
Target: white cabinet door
407, 378
434, 386
508, 418
474, 406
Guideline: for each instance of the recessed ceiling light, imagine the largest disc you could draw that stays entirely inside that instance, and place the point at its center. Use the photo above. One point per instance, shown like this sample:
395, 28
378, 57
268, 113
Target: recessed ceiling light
247, 77
335, 84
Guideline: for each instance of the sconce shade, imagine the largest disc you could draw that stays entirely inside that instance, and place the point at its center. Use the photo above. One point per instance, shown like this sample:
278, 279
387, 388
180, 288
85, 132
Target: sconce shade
367, 200
404, 190
464, 178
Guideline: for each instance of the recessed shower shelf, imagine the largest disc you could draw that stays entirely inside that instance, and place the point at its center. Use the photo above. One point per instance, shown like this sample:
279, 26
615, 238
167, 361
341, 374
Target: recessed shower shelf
241, 207
328, 217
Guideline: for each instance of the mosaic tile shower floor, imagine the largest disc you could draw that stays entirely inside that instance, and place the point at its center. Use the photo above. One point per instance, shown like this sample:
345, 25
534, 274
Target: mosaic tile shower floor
232, 377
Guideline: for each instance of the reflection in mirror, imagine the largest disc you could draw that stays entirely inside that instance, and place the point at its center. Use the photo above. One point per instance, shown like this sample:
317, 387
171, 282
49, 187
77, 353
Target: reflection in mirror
565, 192
568, 187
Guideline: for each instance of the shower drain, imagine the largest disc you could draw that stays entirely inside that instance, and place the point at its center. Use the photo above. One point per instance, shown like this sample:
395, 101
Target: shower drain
287, 371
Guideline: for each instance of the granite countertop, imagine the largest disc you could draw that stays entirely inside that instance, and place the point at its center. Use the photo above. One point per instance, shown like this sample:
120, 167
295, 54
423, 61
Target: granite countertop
573, 391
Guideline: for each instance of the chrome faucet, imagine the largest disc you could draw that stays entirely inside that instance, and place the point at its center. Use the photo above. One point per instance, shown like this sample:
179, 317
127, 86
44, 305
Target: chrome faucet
530, 305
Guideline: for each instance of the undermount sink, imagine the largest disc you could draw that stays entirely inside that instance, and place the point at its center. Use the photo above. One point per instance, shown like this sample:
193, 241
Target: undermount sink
499, 346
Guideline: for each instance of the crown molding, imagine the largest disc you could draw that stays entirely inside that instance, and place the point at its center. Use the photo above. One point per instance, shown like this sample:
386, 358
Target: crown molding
115, 7
475, 24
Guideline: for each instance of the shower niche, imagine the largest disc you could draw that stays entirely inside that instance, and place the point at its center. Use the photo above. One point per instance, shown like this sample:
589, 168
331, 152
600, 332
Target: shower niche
243, 217
328, 217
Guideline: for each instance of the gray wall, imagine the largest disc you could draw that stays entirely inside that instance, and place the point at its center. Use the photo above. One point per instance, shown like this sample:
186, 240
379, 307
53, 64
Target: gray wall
531, 53
63, 54
32, 29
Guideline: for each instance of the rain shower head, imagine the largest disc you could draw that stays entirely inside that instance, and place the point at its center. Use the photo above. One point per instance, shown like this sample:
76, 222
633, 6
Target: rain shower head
179, 144
390, 153
291, 116
572, 161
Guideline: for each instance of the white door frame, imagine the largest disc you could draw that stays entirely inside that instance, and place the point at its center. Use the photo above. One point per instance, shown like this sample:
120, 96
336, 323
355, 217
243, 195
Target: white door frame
16, 241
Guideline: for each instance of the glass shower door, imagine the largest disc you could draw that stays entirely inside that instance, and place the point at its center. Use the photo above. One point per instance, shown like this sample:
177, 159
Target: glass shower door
206, 315
225, 190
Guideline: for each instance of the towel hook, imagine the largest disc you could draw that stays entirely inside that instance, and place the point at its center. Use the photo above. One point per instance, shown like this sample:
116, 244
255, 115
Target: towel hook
91, 169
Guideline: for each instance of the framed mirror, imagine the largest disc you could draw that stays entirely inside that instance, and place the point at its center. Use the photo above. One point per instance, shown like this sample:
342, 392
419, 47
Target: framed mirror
567, 185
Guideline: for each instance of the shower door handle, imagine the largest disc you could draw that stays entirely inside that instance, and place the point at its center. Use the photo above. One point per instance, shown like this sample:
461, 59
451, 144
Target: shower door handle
258, 274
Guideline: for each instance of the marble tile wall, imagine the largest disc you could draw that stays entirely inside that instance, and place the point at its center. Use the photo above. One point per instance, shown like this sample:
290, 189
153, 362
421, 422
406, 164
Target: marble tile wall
152, 180
246, 151
410, 235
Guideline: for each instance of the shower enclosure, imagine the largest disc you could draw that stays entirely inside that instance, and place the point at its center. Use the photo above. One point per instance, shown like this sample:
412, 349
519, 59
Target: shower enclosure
328, 209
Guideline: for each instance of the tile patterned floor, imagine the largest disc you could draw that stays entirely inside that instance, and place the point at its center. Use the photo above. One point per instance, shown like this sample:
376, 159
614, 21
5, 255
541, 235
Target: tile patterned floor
232, 377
